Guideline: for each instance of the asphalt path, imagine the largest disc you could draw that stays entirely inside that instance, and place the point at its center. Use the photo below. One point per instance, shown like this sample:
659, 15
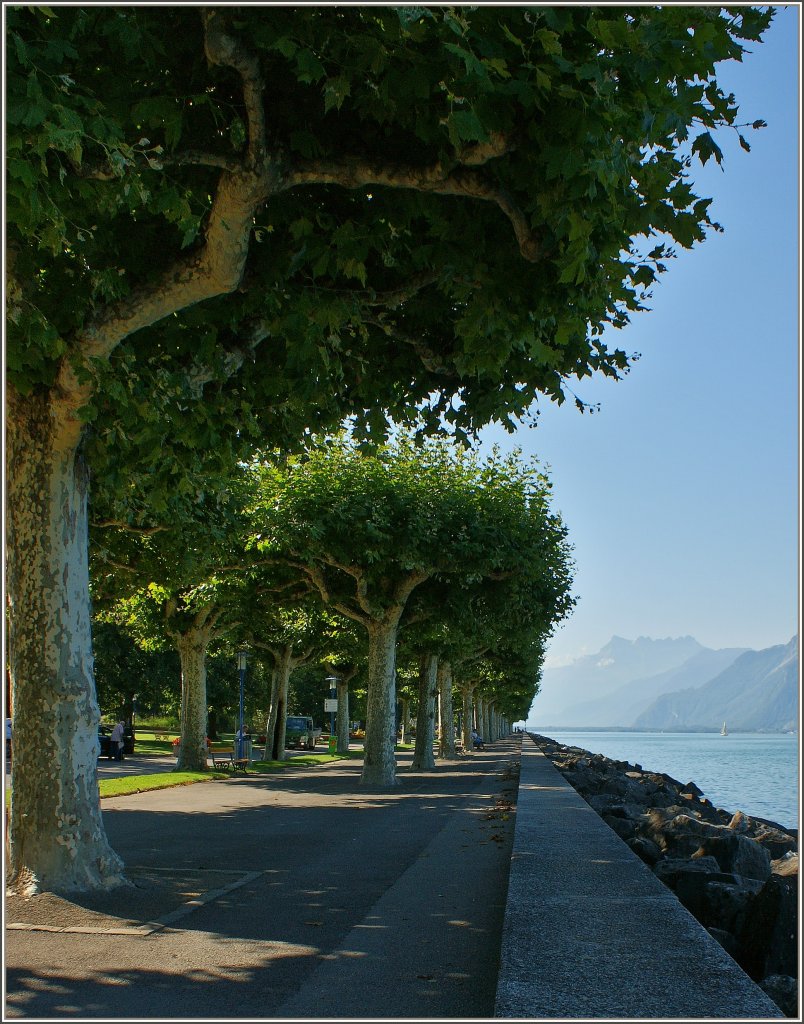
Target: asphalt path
293, 894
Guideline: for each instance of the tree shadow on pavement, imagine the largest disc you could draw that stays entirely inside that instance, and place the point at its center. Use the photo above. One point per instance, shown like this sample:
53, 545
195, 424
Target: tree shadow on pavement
242, 890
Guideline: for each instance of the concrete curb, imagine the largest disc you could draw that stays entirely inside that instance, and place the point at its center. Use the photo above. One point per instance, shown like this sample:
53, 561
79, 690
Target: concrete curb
590, 931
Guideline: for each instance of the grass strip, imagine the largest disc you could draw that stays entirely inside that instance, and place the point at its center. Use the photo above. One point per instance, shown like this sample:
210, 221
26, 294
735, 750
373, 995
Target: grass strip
128, 784
302, 759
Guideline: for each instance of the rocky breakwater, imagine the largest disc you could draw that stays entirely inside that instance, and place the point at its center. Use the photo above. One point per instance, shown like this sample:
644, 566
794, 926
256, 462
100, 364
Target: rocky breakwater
737, 874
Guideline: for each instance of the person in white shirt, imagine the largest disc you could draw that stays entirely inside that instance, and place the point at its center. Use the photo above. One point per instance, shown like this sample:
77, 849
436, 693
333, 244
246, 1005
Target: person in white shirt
118, 738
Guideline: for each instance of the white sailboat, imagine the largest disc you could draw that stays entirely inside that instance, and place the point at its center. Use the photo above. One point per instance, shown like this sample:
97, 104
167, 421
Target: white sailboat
724, 731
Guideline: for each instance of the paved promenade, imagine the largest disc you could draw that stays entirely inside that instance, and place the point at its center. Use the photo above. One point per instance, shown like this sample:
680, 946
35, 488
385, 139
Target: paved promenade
292, 894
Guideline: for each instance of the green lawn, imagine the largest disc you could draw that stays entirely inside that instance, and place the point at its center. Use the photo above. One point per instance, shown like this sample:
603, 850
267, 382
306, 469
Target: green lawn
142, 783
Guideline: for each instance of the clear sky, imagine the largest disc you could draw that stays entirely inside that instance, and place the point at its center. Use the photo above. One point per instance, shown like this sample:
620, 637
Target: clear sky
682, 494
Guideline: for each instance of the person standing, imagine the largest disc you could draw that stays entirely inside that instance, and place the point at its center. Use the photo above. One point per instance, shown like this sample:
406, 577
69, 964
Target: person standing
118, 739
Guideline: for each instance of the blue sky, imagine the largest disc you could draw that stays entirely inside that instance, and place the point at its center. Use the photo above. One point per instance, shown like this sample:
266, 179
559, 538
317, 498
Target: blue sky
682, 494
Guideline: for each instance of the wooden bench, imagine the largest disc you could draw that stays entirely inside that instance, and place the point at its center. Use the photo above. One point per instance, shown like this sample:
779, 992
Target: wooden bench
224, 757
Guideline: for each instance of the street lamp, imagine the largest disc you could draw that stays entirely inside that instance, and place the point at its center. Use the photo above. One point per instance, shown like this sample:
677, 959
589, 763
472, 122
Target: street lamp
331, 705
241, 667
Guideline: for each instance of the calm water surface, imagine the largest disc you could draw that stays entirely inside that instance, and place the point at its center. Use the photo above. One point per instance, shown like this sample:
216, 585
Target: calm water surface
751, 772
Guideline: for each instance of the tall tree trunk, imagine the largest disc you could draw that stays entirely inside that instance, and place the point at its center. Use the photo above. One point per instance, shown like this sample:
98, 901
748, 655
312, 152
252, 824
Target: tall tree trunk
271, 716
485, 724
467, 690
447, 716
56, 838
342, 692
284, 666
423, 760
405, 720
379, 764
192, 646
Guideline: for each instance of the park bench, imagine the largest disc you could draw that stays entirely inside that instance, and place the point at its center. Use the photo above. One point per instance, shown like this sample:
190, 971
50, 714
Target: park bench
223, 756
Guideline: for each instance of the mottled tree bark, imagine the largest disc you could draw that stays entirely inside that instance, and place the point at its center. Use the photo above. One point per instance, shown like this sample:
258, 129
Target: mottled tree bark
379, 764
405, 720
284, 667
192, 646
423, 759
342, 718
446, 747
466, 691
56, 838
483, 713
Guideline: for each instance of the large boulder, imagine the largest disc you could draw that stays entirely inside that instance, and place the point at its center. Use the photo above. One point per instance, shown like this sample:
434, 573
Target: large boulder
689, 880
783, 991
645, 849
739, 855
683, 835
768, 937
786, 865
726, 903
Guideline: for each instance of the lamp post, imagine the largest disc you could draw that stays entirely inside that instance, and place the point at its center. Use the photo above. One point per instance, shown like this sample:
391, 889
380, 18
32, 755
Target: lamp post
331, 705
241, 667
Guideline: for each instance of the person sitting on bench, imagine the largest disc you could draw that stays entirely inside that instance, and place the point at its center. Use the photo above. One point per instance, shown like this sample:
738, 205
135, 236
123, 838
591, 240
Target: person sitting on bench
477, 741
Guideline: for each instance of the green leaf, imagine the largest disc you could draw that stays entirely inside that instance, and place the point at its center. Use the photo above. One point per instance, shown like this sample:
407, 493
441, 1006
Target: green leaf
335, 92
287, 47
705, 147
309, 67
550, 41
464, 126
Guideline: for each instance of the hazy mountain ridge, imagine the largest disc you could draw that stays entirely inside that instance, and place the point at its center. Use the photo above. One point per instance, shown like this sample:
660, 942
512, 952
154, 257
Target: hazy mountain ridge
623, 705
673, 684
758, 692
617, 664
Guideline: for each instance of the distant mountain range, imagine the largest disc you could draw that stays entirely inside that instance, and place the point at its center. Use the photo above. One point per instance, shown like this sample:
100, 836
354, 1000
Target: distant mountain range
672, 685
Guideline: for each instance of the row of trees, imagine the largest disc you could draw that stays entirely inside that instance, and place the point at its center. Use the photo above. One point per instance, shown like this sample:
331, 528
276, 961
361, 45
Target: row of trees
327, 556
231, 228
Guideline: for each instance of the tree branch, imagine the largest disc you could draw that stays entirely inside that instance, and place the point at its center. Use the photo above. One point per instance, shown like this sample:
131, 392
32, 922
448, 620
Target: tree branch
355, 173
223, 49
143, 531
190, 158
428, 358
215, 269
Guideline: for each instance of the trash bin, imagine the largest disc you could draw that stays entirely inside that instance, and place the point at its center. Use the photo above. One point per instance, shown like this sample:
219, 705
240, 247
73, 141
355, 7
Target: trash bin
243, 747
333, 745
128, 742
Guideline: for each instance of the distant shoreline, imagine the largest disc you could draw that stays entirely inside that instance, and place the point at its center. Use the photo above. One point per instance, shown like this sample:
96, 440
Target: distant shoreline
703, 730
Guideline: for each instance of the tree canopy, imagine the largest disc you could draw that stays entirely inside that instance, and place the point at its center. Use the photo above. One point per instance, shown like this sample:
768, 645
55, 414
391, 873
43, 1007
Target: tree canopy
369, 530
399, 203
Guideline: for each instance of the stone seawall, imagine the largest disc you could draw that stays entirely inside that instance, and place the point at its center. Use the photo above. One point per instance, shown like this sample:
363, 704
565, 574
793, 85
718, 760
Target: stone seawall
737, 874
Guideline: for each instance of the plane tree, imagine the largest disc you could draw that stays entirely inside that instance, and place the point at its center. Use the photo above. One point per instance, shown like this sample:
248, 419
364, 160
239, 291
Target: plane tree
282, 216
183, 582
366, 529
294, 632
453, 622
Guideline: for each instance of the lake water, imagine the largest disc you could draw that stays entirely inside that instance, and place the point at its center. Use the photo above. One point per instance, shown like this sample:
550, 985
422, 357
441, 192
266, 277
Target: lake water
756, 773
